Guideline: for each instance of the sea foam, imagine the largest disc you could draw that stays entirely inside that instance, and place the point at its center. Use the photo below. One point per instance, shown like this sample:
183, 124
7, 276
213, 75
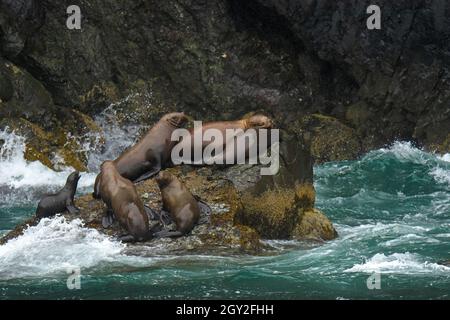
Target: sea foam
403, 263
53, 246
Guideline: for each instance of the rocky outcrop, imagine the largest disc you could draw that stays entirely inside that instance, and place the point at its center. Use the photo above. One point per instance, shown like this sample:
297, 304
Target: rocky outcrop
246, 207
219, 59
221, 231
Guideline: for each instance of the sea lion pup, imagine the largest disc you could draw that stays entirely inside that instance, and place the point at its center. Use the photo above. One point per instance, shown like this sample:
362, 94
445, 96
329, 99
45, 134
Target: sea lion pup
151, 154
63, 200
124, 204
256, 122
179, 203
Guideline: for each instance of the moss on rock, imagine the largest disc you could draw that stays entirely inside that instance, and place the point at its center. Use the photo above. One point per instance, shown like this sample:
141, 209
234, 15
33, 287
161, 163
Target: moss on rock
273, 213
313, 225
331, 139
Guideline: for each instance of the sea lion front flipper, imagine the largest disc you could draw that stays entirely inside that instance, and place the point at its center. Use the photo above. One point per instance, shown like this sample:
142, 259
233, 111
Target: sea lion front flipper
165, 218
168, 234
205, 209
126, 238
72, 209
108, 219
154, 227
204, 220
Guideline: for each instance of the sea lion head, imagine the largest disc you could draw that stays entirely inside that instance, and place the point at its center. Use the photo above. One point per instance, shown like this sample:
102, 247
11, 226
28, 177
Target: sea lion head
176, 119
106, 165
72, 179
259, 121
164, 179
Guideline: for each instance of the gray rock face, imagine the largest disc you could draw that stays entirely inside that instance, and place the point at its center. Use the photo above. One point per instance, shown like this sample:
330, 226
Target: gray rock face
401, 71
220, 59
18, 20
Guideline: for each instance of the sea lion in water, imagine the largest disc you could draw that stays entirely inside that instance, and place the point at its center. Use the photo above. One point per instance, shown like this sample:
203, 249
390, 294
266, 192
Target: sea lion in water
256, 122
61, 201
123, 203
151, 154
181, 205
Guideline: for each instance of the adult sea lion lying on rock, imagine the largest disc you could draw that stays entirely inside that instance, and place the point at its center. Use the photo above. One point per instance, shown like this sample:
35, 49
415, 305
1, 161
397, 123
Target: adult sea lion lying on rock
255, 122
124, 204
151, 154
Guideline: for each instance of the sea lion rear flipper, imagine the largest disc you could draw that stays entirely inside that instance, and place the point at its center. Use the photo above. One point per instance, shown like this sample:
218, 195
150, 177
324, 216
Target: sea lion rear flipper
147, 175
205, 209
168, 234
150, 213
72, 209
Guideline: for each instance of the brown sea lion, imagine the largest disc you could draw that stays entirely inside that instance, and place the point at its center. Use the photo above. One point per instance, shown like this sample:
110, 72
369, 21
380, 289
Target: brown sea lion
124, 204
151, 154
181, 205
256, 122
61, 201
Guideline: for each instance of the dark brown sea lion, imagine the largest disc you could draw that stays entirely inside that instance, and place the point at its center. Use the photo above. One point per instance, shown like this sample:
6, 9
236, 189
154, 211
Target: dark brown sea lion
61, 201
179, 203
256, 122
151, 154
124, 204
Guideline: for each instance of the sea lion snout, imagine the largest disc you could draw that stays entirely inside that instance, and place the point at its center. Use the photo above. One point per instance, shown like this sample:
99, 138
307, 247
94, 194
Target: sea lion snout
260, 122
74, 176
176, 119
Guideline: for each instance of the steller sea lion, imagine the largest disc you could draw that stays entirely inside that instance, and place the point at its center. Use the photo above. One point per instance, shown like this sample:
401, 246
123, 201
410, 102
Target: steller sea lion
181, 205
124, 204
256, 122
63, 200
151, 154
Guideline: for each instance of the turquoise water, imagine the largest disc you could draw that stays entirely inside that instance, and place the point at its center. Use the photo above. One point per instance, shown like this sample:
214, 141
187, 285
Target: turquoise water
391, 209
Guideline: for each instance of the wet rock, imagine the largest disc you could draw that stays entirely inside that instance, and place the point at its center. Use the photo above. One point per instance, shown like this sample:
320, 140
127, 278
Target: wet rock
18, 20
331, 139
281, 206
6, 88
313, 225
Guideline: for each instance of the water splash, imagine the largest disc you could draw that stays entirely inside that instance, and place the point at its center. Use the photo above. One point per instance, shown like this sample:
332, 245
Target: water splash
54, 245
404, 263
116, 135
17, 173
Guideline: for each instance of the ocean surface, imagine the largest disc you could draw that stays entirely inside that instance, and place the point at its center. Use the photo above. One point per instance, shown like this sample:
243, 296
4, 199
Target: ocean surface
391, 209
